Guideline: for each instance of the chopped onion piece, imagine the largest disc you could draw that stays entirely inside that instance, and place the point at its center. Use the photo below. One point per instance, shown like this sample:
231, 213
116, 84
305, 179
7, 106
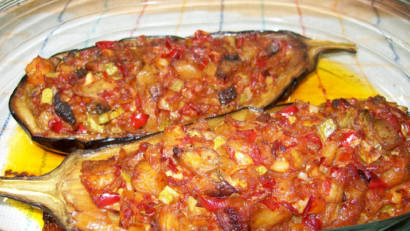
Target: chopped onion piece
167, 195
47, 96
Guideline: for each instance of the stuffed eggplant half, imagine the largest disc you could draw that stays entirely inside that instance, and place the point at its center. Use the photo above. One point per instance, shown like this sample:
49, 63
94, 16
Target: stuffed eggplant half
304, 167
122, 90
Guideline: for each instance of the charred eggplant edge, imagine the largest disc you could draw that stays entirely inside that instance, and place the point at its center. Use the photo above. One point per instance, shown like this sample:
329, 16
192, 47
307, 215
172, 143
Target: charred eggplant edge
65, 145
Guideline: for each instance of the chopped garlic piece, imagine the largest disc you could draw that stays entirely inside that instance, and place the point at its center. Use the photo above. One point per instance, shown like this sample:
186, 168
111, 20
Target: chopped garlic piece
89, 78
268, 80
177, 176
300, 205
168, 195
47, 96
303, 176
313, 108
280, 166
248, 93
292, 119
243, 159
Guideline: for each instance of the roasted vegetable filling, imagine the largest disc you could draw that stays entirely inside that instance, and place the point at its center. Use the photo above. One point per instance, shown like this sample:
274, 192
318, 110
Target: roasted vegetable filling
141, 85
306, 167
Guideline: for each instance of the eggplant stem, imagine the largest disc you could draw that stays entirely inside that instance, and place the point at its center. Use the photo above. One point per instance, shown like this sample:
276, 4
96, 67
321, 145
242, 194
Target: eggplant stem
316, 47
41, 192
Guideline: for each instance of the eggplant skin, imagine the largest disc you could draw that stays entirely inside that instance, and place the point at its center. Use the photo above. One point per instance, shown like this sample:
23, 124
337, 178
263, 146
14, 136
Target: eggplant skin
309, 50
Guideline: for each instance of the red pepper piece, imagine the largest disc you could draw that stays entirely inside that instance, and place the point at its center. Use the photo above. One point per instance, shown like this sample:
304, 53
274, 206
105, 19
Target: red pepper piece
108, 198
212, 204
314, 138
376, 182
173, 54
56, 125
81, 129
308, 206
349, 138
290, 208
172, 166
139, 120
107, 45
272, 205
291, 110
312, 222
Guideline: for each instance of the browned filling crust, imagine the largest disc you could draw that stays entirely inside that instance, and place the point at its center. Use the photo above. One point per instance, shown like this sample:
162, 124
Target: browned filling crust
343, 163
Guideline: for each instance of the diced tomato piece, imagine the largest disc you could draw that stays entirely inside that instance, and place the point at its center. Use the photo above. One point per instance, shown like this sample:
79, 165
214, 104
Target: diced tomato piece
81, 129
349, 138
108, 198
376, 182
168, 43
328, 103
268, 183
212, 204
202, 37
138, 120
313, 137
239, 42
291, 110
203, 64
188, 110
327, 185
56, 125
107, 45
138, 102
251, 135
261, 63
338, 174
144, 146
272, 205
312, 222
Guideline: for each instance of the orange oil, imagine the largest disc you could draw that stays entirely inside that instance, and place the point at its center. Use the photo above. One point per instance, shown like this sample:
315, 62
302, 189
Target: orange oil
330, 80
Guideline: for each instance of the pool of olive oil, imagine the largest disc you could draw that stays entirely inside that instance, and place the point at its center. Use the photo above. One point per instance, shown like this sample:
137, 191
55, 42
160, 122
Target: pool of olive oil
329, 81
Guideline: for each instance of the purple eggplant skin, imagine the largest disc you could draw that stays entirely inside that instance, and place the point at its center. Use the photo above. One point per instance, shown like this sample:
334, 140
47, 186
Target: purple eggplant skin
66, 144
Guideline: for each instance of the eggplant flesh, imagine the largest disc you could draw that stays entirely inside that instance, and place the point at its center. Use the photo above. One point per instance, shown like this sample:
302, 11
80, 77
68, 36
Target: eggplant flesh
62, 193
301, 60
